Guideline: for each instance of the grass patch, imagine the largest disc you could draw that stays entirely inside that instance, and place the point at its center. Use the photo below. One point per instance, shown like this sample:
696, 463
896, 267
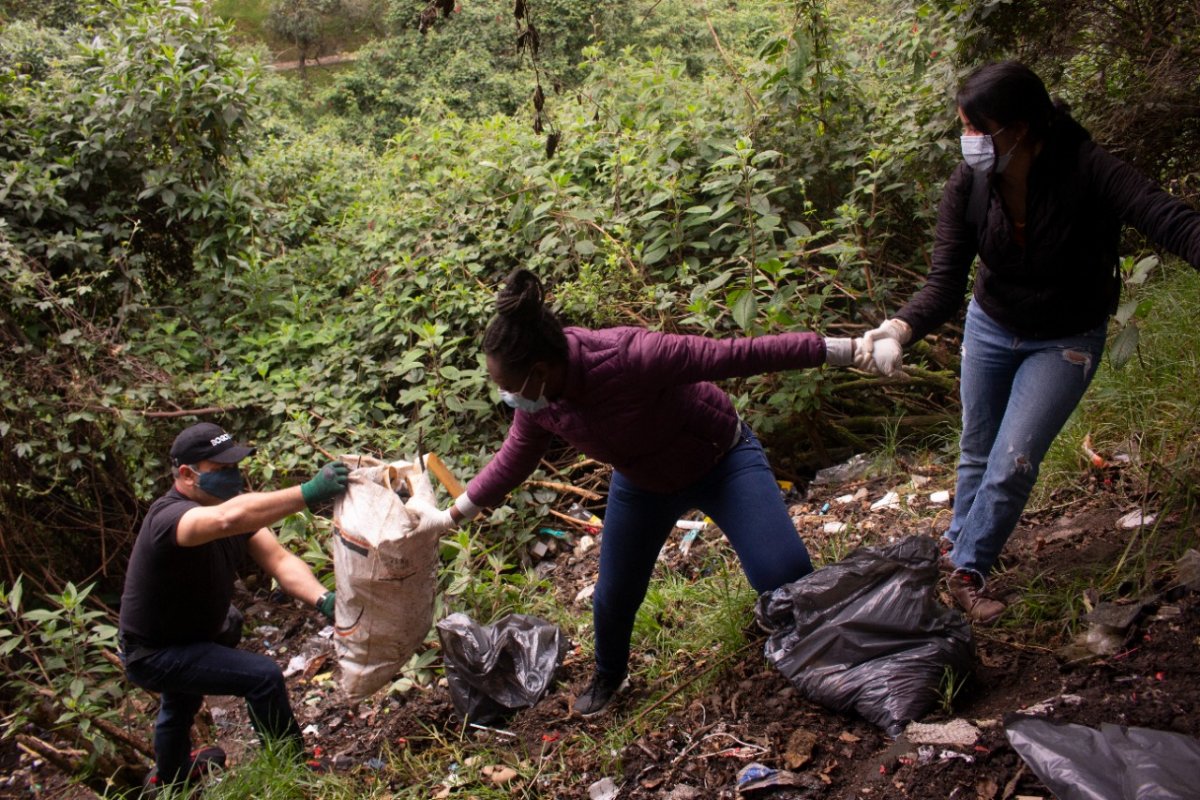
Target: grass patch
274, 774
682, 615
248, 16
1148, 409
458, 763
687, 635
1050, 605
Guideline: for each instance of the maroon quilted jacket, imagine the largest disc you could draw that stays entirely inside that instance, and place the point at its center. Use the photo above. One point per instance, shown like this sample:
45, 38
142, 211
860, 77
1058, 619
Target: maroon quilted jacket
641, 401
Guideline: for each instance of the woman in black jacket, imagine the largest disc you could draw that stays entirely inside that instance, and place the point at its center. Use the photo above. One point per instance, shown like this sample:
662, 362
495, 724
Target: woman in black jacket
1042, 206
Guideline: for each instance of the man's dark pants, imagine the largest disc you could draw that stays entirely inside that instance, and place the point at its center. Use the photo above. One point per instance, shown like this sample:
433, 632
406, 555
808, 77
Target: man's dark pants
184, 674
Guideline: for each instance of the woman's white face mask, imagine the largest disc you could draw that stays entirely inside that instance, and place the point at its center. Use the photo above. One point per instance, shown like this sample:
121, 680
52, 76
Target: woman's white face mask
979, 151
519, 401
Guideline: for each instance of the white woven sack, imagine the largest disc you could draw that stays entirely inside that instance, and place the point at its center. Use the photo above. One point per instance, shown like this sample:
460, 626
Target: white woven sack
386, 573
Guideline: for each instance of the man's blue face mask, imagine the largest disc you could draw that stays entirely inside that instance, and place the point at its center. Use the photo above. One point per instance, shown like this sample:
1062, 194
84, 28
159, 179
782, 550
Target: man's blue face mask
222, 484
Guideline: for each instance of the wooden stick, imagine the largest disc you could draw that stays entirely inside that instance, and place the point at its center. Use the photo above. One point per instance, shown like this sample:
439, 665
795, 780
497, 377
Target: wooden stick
737, 76
113, 732
566, 487
576, 522
587, 462
113, 659
444, 475
65, 760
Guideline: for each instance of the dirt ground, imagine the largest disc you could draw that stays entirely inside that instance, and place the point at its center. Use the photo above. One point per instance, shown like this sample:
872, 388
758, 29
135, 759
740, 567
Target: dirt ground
752, 714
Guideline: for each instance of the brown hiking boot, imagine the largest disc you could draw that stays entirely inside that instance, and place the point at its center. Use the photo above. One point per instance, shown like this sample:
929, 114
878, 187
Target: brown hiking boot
966, 588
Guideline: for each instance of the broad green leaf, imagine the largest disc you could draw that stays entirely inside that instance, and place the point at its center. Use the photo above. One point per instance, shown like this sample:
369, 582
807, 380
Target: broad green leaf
1125, 312
1124, 346
654, 255
744, 308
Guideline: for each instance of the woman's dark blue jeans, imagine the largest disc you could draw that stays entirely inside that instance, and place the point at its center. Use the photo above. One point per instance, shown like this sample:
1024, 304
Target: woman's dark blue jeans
739, 494
184, 674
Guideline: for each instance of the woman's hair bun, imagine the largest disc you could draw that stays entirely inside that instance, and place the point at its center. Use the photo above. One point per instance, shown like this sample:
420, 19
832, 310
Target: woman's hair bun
521, 297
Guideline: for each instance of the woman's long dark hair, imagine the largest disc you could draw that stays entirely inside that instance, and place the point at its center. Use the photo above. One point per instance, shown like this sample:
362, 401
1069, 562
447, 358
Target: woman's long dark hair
524, 331
1007, 92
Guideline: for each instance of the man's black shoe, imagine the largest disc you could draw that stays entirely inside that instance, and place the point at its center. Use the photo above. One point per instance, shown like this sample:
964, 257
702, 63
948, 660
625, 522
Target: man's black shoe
203, 761
598, 695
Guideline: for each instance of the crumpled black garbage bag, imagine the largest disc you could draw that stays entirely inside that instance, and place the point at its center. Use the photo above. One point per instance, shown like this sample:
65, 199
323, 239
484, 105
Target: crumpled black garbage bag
494, 670
1113, 763
868, 634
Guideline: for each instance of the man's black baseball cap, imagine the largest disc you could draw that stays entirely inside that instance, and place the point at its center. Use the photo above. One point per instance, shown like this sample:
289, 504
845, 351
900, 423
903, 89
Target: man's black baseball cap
207, 442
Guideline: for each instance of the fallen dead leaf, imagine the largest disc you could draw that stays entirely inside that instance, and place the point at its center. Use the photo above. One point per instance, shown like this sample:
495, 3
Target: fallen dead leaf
799, 748
499, 774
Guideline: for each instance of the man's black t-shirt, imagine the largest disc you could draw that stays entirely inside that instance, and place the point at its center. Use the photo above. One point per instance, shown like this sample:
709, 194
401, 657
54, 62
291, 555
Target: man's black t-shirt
173, 594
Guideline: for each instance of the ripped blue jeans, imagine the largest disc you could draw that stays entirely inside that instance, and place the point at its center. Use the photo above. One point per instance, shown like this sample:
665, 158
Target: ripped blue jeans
1016, 396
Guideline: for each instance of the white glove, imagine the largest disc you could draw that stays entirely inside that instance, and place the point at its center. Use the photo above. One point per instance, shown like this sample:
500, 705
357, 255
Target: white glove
894, 329
886, 358
839, 352
430, 518
862, 357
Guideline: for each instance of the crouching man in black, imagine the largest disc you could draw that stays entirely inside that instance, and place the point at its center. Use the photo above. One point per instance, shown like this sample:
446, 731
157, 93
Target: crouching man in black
178, 629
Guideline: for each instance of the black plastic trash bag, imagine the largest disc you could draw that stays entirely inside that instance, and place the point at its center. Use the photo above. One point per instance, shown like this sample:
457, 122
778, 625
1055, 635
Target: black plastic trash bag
1113, 763
494, 670
867, 634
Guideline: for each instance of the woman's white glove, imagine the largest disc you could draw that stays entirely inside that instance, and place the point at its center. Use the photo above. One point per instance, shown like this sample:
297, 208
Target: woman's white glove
882, 347
895, 329
885, 358
430, 518
862, 357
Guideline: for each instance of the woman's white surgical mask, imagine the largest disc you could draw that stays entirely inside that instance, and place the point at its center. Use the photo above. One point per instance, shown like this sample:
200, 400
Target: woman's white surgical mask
520, 402
979, 151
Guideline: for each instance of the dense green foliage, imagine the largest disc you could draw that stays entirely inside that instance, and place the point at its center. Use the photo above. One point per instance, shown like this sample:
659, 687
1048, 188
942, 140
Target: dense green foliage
469, 62
182, 237
118, 141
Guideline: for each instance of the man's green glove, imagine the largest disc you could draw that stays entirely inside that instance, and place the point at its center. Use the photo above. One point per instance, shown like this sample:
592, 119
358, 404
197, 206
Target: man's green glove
326, 484
326, 604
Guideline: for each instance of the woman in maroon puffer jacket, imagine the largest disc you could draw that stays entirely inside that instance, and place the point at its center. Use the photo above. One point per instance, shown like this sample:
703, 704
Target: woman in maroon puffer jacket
642, 401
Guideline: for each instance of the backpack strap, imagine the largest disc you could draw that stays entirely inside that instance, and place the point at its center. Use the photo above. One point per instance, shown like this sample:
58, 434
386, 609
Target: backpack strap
977, 206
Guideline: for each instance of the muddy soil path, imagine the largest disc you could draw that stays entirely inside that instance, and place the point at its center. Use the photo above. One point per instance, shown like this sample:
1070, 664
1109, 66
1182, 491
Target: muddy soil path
316, 61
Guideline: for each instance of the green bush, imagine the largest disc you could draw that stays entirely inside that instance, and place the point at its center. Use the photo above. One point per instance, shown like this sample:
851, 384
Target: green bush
116, 140
57, 677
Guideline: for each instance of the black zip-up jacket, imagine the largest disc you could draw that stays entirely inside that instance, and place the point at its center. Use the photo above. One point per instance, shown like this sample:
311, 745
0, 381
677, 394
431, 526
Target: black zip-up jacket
1065, 280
